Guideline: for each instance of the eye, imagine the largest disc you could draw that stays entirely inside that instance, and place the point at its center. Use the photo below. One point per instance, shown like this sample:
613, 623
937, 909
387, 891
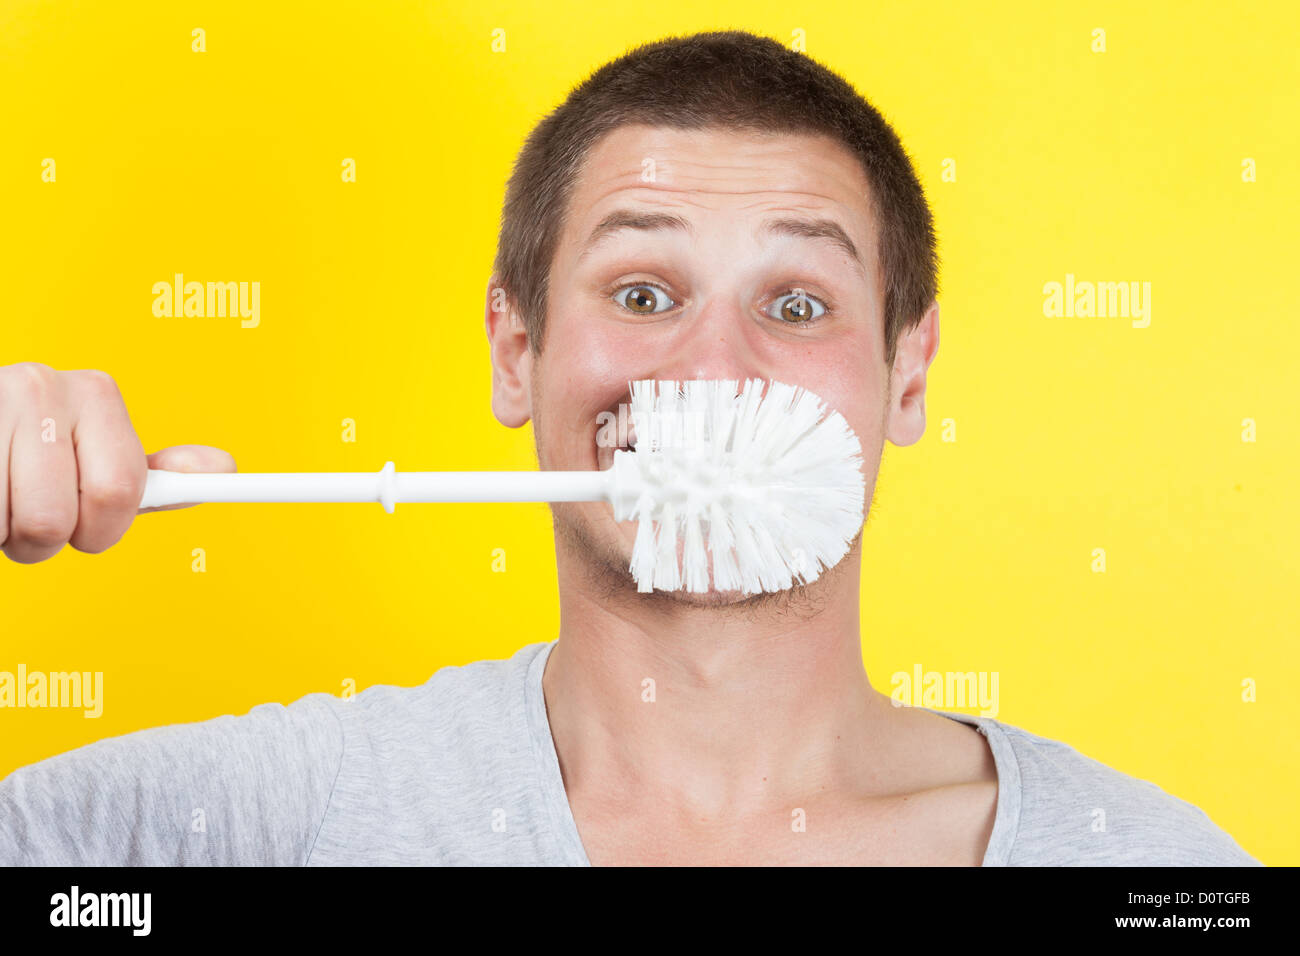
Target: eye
643, 298
797, 307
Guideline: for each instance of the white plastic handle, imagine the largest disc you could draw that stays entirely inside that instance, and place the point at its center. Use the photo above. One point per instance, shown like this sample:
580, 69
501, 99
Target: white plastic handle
386, 486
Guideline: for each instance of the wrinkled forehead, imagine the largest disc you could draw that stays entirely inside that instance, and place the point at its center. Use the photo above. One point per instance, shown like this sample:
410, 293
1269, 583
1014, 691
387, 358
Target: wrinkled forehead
720, 161
720, 176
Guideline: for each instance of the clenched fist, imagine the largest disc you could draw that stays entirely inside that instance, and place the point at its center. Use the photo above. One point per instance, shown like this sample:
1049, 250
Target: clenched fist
72, 470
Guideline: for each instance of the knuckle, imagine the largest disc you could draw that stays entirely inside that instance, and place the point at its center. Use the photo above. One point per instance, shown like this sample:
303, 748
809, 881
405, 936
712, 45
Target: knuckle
98, 547
119, 489
44, 529
30, 378
99, 384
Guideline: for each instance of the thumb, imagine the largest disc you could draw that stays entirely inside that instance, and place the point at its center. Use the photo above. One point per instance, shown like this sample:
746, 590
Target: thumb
189, 458
203, 458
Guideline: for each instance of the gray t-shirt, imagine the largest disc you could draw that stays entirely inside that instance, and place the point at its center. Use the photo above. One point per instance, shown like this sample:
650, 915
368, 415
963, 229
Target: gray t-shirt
462, 770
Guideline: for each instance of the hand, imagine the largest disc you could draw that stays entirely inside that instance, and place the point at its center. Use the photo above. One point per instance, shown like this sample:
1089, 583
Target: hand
72, 469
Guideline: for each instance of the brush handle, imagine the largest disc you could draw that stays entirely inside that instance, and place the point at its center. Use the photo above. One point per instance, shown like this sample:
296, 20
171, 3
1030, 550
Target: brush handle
386, 486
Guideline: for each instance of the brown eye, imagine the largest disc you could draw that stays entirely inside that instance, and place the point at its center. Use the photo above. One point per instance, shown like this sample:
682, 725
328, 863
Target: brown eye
643, 299
797, 307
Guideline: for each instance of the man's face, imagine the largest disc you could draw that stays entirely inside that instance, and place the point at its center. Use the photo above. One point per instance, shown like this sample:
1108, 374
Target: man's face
717, 296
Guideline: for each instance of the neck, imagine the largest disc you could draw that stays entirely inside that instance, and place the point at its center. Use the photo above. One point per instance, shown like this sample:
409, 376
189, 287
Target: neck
704, 707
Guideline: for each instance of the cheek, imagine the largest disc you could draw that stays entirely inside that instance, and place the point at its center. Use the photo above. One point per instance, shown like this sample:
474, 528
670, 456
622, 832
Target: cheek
582, 372
850, 379
602, 354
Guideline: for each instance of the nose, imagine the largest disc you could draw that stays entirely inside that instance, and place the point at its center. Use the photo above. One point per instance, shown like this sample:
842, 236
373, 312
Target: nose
718, 344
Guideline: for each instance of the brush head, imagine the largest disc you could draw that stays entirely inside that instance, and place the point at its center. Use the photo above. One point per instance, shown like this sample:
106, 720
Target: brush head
769, 485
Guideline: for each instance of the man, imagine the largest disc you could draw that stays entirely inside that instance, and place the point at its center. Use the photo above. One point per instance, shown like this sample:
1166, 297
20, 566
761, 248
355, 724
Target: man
713, 206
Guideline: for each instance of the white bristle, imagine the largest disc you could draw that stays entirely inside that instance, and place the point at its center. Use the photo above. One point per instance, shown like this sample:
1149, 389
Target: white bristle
643, 553
769, 485
667, 576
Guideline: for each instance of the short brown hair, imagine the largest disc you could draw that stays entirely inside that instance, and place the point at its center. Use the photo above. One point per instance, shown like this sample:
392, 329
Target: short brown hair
729, 80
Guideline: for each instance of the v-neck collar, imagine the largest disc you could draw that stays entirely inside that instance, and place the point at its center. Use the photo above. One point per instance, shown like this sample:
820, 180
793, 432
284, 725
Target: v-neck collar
1005, 823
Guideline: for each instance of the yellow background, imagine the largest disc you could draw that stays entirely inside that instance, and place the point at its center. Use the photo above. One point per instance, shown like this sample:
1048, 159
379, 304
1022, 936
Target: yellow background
1072, 434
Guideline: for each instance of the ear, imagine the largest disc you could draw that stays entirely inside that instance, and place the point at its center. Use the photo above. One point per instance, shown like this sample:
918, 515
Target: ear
916, 350
512, 362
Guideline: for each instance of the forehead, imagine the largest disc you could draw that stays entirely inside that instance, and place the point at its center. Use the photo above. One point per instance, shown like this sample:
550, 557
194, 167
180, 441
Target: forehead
720, 171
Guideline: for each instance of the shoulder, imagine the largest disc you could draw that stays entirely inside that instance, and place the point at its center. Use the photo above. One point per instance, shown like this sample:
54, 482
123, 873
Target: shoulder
461, 714
455, 694
424, 767
1075, 810
454, 721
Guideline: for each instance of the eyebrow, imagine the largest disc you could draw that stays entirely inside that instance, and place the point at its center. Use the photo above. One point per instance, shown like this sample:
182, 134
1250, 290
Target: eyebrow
824, 229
